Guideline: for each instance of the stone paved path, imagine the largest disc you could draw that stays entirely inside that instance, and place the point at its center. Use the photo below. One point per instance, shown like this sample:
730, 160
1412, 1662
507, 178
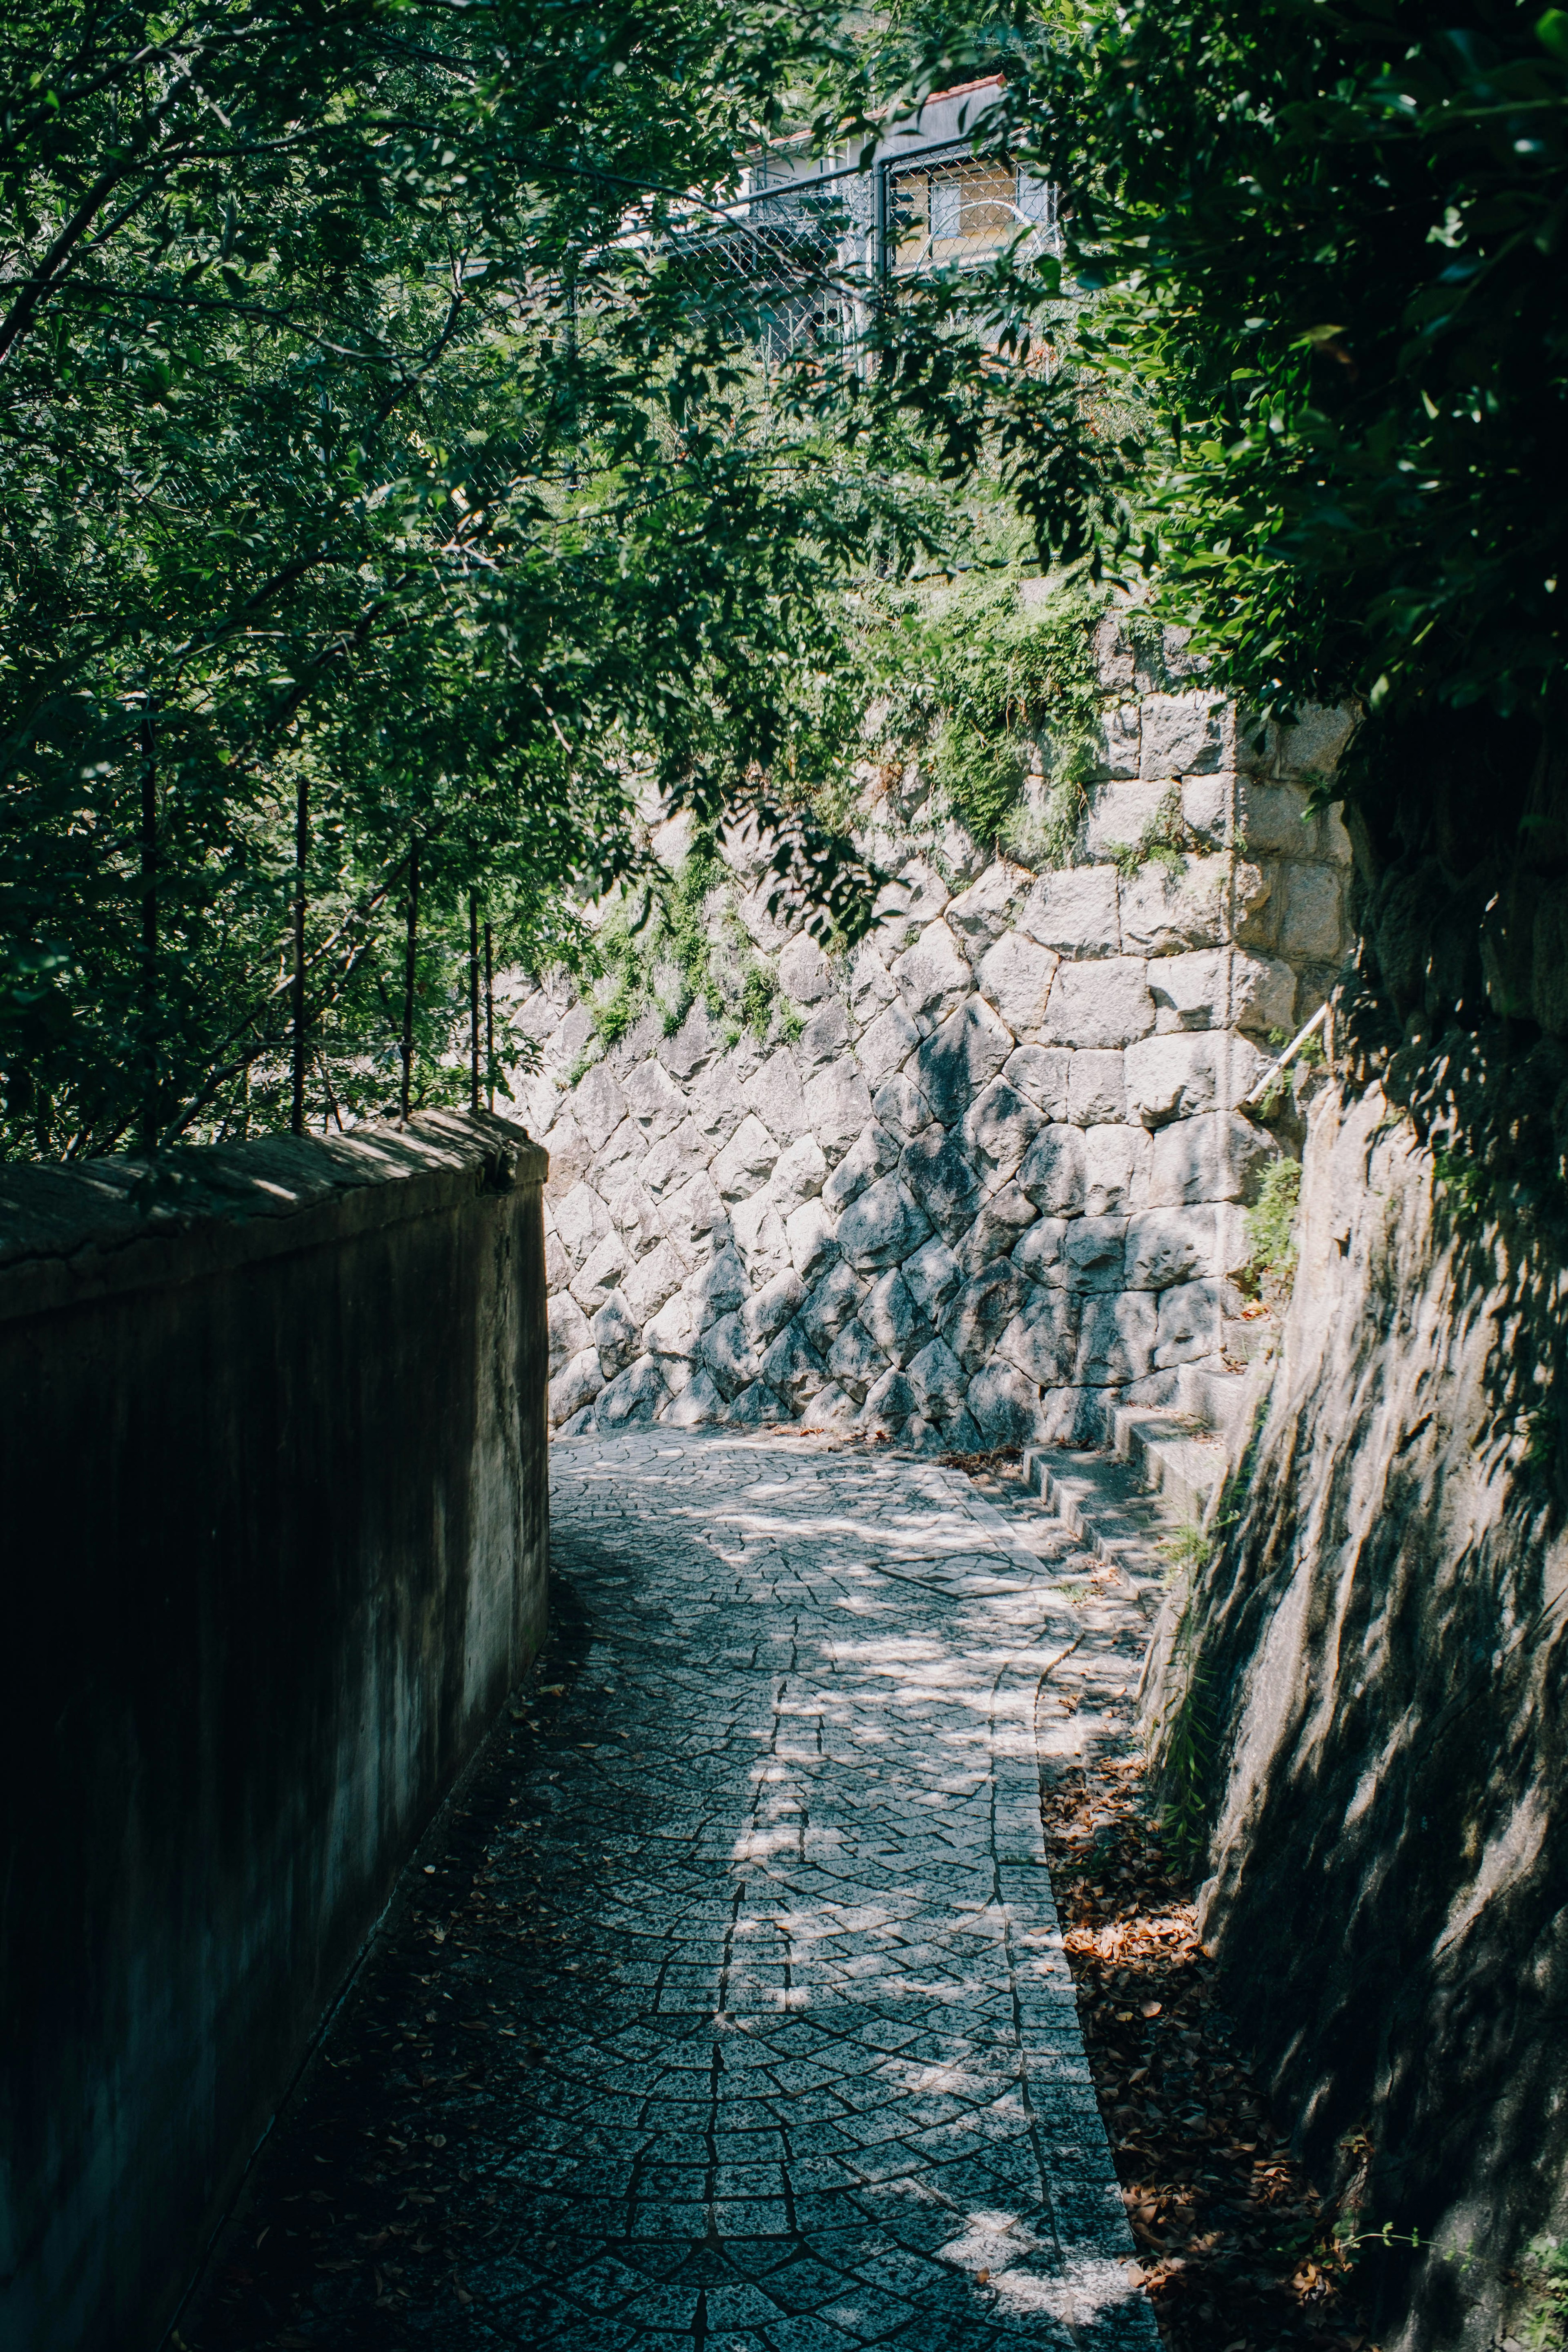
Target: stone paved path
807, 2072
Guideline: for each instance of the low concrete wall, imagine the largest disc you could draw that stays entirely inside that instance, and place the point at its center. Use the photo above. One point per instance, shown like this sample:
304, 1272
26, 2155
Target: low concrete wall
273, 1453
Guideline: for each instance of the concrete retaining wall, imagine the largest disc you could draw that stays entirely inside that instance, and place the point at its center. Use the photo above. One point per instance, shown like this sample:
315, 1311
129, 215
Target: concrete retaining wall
272, 1451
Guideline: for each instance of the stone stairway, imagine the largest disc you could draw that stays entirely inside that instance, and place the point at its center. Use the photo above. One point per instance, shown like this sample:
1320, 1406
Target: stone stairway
1166, 1468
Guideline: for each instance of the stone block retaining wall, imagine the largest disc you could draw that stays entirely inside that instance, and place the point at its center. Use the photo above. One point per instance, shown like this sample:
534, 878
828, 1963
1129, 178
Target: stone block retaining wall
995, 1184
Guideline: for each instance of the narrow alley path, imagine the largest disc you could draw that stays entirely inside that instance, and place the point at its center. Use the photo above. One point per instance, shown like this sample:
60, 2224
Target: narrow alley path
731, 2009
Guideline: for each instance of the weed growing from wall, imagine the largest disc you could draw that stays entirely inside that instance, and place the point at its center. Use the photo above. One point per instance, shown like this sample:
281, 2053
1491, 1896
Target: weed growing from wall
1165, 841
986, 681
658, 954
1271, 1225
1185, 1739
1546, 2327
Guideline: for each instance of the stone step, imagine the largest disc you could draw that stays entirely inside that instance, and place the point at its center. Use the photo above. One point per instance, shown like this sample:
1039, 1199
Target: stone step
1172, 1456
1102, 1504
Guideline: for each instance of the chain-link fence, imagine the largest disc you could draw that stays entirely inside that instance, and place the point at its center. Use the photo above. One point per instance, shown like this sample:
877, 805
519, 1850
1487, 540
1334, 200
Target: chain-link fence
800, 262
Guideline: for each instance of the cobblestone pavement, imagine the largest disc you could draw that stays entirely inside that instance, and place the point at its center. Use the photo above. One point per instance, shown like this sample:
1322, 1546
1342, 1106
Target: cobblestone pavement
780, 2048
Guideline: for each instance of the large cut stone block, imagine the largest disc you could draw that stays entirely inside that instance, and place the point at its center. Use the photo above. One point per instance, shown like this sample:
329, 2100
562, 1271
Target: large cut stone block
1190, 1323
803, 971
1003, 1215
887, 1044
889, 1314
799, 1173
600, 1273
1073, 912
1016, 977
901, 1108
872, 1155
746, 1161
981, 1309
696, 1043
769, 1309
1169, 1245
598, 1105
700, 1403
932, 977
654, 1102
1038, 1256
1176, 1076
830, 1413
1003, 1405
695, 1217
1274, 821
1210, 1158
839, 1107
1262, 992
1192, 991
616, 1335
832, 1303
1116, 1161
1182, 734
580, 1221
825, 1037
811, 1237
854, 1361
760, 1237
569, 1332
1163, 912
728, 1352
1096, 1090
1100, 1005
882, 1228
773, 1093
673, 1331
938, 1380
1123, 730
1000, 1125
941, 1180
792, 1369
961, 1058
1121, 815
1092, 1252
1312, 925
1041, 1340
674, 1160
575, 1386
1117, 1342
634, 1399
1053, 1171
1039, 1073
932, 1275
718, 1289
654, 1278
889, 1404
984, 911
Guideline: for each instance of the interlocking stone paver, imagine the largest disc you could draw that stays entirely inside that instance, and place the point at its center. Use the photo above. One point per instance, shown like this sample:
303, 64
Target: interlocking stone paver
797, 2064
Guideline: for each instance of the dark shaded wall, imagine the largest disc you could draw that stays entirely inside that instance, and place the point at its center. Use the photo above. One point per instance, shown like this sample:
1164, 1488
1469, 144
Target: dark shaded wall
272, 1450
1380, 1641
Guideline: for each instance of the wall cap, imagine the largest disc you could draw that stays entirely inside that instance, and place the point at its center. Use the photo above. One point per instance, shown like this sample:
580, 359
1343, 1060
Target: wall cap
69, 1234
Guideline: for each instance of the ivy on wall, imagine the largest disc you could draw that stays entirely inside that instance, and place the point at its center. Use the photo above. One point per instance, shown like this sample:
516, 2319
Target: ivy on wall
987, 681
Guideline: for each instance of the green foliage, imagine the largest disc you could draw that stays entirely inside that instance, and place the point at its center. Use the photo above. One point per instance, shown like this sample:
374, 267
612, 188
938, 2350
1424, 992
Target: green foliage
1322, 254
1271, 1220
348, 446
985, 677
1545, 2327
1189, 1550
658, 953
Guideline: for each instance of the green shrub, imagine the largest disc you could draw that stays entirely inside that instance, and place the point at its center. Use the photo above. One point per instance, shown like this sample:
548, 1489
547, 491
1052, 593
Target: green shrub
1271, 1220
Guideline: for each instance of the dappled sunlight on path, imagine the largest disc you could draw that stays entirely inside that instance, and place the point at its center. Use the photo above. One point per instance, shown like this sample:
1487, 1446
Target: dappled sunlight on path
780, 2045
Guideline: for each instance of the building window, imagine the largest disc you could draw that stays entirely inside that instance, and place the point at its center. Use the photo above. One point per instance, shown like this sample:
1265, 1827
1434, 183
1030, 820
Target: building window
944, 203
